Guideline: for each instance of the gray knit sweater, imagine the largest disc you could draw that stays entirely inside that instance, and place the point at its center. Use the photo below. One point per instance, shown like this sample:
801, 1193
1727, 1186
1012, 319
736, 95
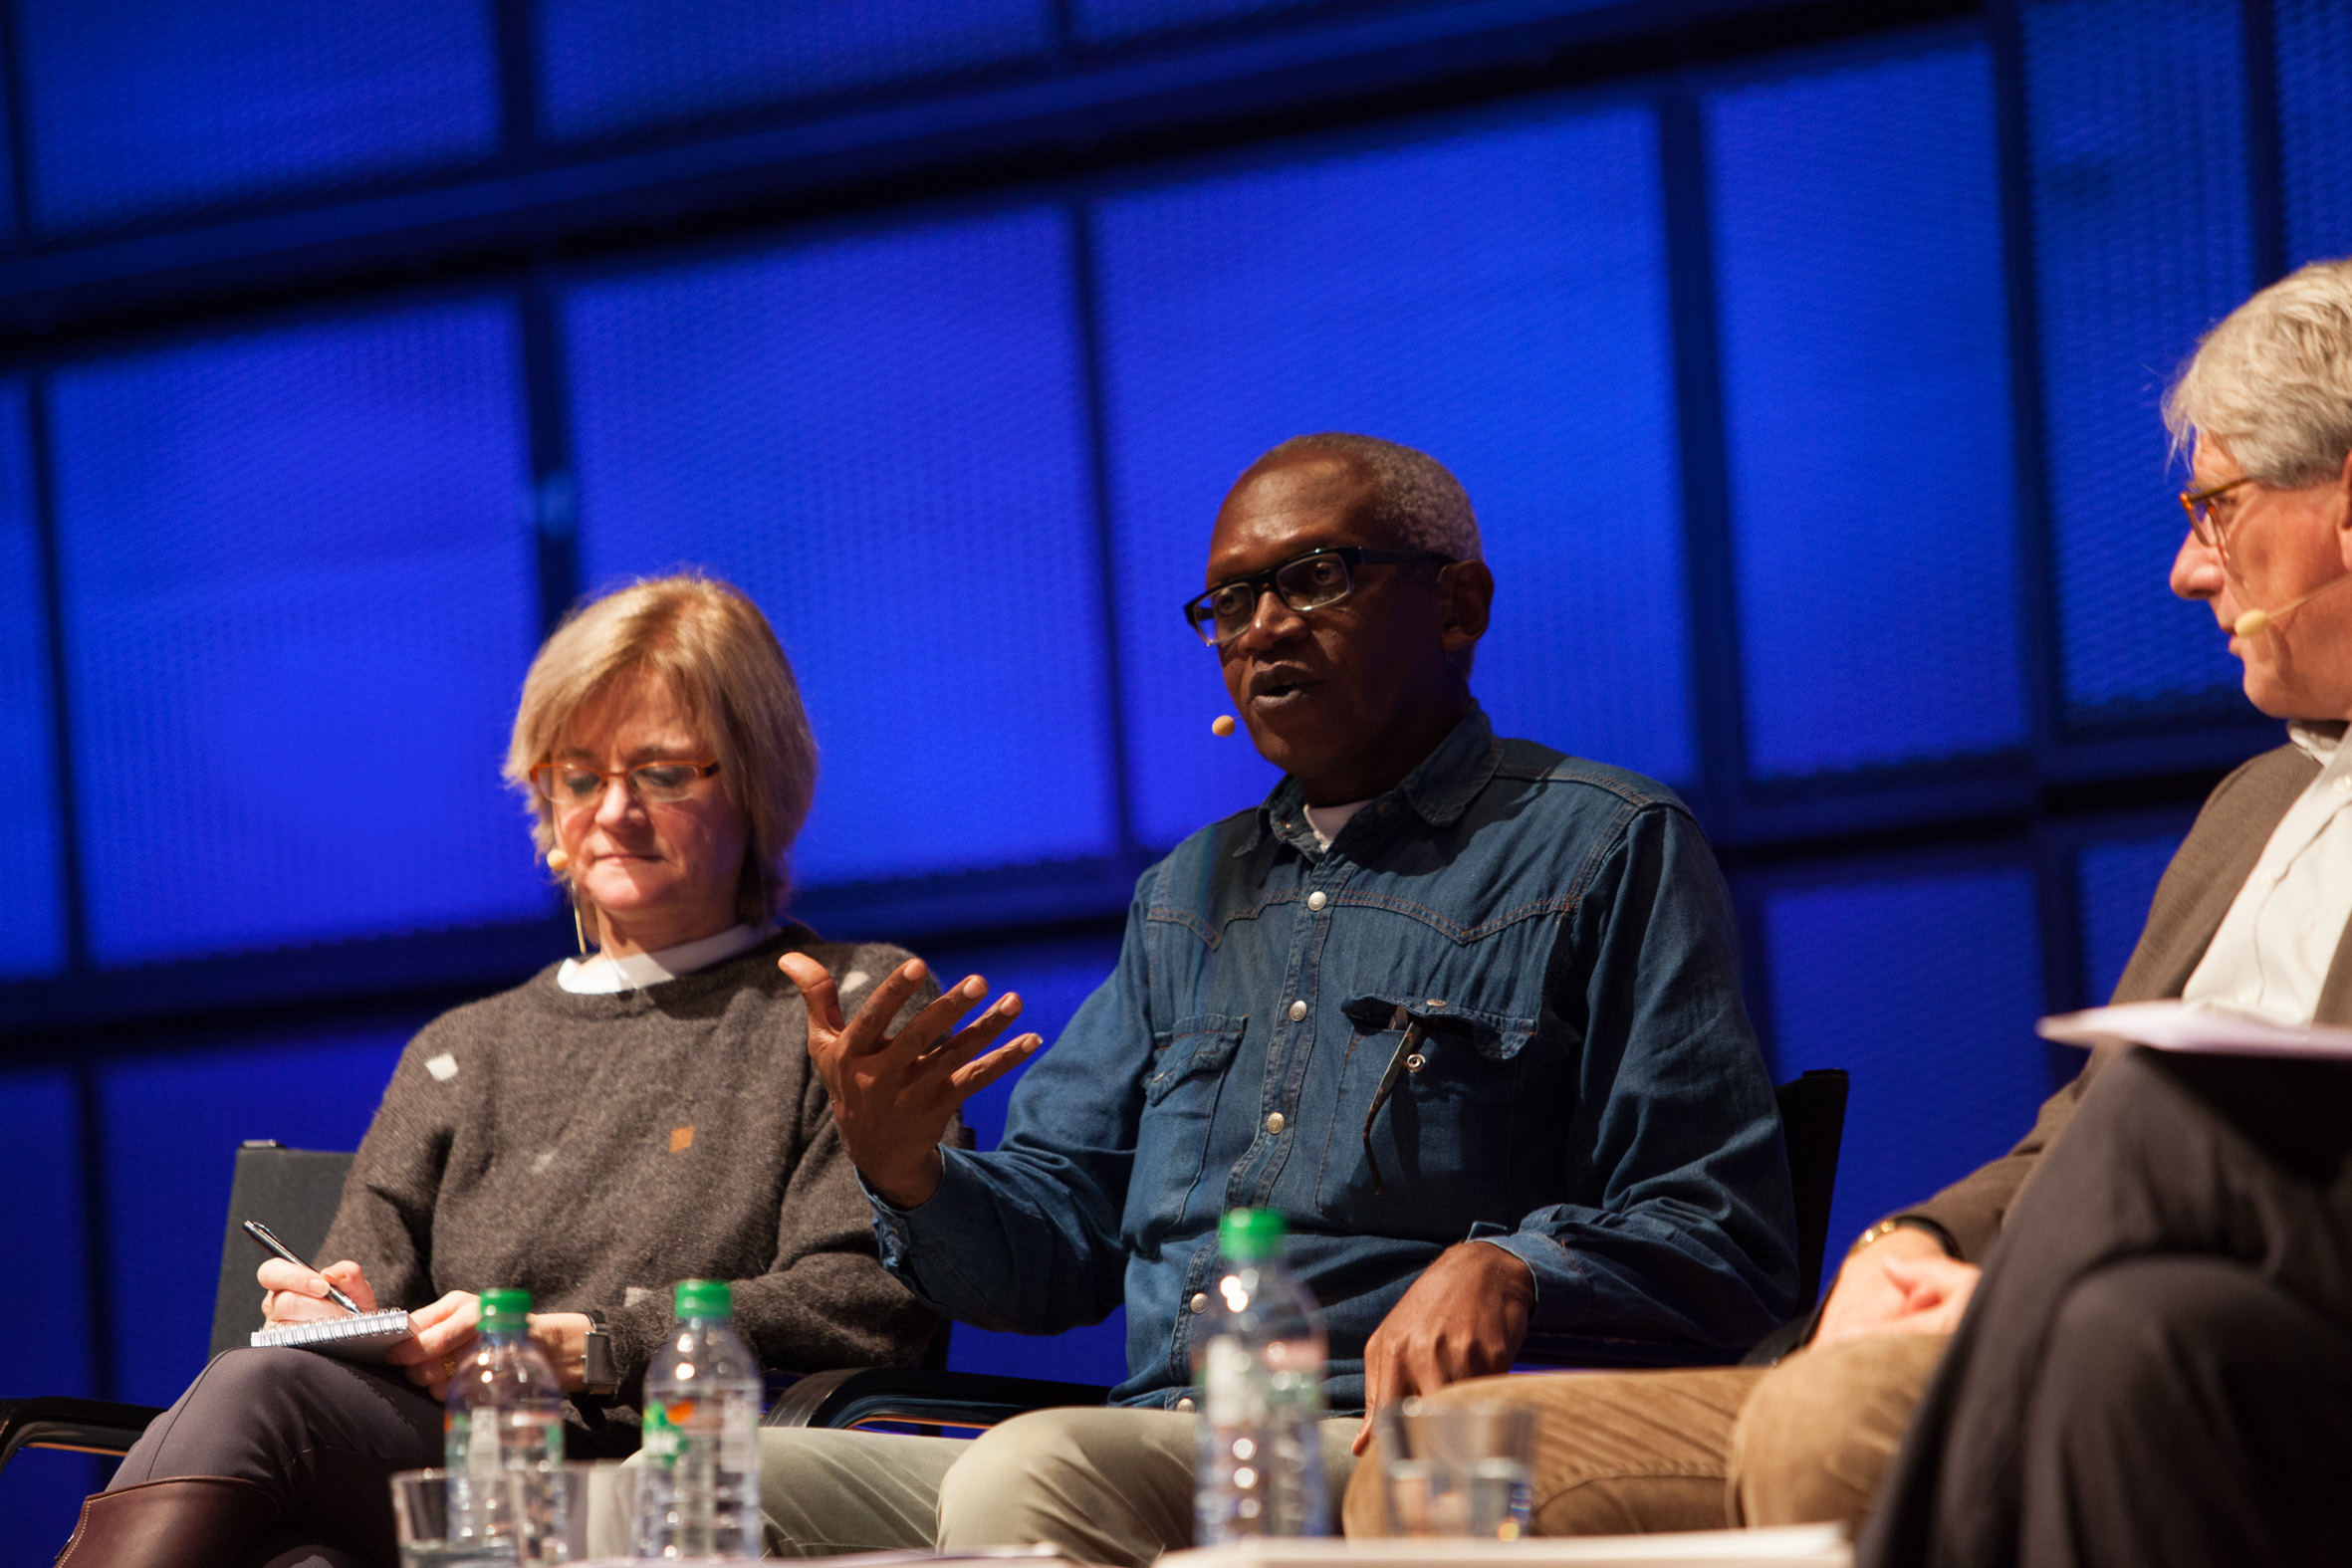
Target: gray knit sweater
594, 1150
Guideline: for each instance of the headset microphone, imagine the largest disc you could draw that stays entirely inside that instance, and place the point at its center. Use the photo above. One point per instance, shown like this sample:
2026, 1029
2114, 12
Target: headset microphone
2255, 622
557, 860
1221, 725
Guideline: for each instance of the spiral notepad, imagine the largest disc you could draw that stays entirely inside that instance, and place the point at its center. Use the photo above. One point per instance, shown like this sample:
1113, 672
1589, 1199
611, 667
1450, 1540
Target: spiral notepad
363, 1338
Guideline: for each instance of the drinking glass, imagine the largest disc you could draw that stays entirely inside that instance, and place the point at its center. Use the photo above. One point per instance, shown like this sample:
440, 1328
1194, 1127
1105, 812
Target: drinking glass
455, 1519
1457, 1470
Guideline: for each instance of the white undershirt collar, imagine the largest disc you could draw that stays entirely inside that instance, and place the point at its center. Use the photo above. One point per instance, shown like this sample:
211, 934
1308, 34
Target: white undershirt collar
1324, 821
606, 974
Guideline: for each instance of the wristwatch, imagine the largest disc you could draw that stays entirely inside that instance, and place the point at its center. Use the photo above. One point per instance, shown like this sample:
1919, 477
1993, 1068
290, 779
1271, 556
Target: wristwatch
1886, 1228
596, 1372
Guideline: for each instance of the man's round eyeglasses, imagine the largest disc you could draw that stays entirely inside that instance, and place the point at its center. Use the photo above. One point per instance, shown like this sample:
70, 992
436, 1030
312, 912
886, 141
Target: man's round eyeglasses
1304, 583
2207, 522
577, 783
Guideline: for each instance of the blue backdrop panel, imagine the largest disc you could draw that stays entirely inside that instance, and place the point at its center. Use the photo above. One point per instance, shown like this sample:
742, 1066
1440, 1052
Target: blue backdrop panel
1111, 21
32, 916
173, 1126
1925, 990
138, 108
299, 603
2315, 125
1053, 978
2114, 883
882, 440
2136, 119
610, 66
1496, 299
1857, 243
44, 1305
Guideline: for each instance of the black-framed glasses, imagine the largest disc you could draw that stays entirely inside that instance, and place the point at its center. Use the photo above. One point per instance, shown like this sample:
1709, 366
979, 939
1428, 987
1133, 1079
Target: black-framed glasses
1304, 583
661, 783
2207, 522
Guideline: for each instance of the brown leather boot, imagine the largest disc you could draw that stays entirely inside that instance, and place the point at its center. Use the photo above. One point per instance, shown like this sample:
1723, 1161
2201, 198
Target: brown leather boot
189, 1522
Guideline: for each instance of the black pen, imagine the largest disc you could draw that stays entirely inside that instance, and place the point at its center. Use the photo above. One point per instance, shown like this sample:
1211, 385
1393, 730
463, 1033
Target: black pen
261, 1232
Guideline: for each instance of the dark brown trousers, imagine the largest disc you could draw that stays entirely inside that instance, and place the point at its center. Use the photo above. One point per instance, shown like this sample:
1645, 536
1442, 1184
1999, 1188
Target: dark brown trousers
2157, 1366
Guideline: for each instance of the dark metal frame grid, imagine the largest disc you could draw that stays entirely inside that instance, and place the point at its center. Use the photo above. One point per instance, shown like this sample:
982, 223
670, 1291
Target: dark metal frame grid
1065, 131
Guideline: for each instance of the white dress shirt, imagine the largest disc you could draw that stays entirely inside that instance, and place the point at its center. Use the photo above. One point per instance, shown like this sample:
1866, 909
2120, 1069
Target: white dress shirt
2273, 953
606, 974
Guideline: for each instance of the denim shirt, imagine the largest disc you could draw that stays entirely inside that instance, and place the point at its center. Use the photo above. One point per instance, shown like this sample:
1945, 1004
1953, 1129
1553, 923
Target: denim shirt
1589, 1095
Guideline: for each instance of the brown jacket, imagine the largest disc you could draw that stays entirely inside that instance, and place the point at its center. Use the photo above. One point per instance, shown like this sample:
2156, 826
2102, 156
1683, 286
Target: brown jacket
2197, 888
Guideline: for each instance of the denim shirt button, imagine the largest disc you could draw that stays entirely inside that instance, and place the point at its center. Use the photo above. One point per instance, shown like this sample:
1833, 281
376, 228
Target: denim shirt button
1200, 1301
1297, 1011
1275, 1122
1184, 1403
1316, 899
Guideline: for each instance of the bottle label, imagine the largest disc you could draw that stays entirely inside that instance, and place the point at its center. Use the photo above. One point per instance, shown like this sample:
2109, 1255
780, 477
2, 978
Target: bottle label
1231, 1394
739, 1447
660, 1440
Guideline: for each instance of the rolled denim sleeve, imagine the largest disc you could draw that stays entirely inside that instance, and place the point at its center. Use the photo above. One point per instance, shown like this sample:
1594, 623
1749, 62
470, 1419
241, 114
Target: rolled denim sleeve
1027, 1237
1686, 1227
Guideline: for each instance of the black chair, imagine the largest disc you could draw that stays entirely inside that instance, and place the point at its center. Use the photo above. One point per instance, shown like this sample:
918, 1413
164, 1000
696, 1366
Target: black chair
291, 1191
1813, 1116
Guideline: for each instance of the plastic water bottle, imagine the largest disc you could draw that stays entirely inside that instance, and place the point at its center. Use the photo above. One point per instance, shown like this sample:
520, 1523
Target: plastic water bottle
702, 1421
1259, 1375
505, 1412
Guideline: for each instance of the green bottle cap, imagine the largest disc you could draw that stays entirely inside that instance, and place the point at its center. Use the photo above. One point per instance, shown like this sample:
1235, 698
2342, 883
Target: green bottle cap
1250, 1235
705, 1298
506, 1311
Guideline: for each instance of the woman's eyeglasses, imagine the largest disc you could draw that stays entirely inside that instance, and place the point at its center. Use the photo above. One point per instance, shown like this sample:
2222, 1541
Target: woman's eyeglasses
656, 784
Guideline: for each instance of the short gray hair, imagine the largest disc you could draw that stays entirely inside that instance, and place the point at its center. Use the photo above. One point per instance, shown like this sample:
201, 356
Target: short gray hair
1415, 499
2272, 383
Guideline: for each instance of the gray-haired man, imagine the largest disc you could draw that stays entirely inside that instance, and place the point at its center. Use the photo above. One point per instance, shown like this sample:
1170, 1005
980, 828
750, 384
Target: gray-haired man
2135, 1415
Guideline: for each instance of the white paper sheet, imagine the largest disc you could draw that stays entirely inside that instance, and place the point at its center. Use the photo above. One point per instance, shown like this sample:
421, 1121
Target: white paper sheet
1786, 1546
2197, 1027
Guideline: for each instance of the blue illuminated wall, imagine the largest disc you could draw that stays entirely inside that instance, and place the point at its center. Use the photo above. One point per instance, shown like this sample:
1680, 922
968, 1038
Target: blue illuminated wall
297, 585
607, 68
32, 917
2314, 59
2137, 116
145, 109
1857, 217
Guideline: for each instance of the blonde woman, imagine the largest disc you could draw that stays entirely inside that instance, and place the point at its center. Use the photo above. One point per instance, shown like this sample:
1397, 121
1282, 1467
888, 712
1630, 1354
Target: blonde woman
616, 1123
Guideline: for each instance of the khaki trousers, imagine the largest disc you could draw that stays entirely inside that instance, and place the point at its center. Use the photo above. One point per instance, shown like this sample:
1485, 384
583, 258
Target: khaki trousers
1106, 1486
1624, 1453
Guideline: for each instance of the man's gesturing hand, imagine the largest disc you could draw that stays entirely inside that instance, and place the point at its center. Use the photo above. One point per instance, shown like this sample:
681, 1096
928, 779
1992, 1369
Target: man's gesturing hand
894, 1095
1465, 1317
1901, 1284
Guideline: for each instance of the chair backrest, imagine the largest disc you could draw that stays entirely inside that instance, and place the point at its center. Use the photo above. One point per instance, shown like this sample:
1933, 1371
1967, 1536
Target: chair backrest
295, 1191
1814, 1121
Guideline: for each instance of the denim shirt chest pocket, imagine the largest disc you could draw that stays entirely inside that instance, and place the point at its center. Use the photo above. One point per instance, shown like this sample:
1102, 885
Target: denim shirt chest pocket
1181, 1083
1425, 1136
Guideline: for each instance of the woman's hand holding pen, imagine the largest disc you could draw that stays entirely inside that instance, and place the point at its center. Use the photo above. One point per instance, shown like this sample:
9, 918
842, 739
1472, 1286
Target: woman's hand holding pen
443, 1333
298, 1296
